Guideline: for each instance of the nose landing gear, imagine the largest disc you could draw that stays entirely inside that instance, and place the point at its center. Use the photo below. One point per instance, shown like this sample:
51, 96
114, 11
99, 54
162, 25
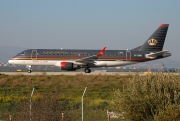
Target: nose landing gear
29, 68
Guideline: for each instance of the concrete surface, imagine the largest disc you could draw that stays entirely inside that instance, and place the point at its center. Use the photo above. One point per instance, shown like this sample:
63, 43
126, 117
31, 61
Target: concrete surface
78, 73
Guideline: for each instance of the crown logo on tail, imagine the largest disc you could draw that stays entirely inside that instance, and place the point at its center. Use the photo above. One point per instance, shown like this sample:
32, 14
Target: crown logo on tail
152, 42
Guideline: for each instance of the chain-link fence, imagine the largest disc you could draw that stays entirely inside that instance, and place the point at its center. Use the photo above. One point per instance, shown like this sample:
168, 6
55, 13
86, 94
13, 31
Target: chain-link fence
54, 95
15, 105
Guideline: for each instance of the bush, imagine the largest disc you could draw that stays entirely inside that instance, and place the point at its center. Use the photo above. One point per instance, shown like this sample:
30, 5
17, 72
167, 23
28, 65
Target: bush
152, 97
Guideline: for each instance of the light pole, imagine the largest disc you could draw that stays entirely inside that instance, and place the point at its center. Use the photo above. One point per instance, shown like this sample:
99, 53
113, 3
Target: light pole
82, 102
31, 101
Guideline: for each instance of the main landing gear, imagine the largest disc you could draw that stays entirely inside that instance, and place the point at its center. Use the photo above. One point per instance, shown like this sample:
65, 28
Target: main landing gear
87, 70
30, 69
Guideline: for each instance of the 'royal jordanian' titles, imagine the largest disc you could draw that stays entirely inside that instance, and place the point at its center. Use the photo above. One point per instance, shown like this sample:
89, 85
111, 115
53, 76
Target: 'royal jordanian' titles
70, 60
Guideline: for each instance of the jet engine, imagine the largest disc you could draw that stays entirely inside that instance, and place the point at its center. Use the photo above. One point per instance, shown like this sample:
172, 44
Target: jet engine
68, 66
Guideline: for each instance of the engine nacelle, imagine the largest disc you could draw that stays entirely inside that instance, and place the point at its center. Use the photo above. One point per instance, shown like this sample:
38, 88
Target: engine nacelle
68, 66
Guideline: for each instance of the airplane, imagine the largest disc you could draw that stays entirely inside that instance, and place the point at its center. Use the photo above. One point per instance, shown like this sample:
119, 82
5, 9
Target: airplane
166, 69
73, 59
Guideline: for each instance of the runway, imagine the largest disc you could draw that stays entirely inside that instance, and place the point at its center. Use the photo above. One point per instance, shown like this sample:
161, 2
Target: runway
69, 73
80, 73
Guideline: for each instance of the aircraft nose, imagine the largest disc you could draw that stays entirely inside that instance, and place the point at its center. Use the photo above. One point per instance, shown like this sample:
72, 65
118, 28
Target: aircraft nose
10, 61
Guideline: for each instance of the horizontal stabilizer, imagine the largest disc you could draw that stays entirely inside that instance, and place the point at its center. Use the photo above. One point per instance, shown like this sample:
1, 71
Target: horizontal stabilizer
155, 54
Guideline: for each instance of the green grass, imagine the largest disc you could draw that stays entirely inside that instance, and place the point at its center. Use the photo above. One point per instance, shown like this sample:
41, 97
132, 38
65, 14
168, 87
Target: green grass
56, 94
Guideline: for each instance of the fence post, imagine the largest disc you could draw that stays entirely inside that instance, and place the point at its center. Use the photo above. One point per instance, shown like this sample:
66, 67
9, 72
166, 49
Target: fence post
10, 117
30, 104
62, 116
82, 104
108, 115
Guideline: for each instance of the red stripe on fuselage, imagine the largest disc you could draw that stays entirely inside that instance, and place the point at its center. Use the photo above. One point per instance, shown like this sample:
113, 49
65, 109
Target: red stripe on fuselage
113, 58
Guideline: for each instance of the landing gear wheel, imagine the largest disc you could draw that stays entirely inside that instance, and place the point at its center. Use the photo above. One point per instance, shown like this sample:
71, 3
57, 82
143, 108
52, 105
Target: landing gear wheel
29, 71
87, 70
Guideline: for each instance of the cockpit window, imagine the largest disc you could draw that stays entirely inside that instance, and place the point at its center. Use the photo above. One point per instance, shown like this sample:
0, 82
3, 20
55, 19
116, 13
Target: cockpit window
23, 53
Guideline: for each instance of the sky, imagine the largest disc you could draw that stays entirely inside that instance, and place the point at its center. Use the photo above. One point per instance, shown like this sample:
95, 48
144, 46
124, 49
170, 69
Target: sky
93, 24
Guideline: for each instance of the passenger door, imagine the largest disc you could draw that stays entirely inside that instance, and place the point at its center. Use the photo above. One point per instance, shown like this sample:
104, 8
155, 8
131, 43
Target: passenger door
128, 55
34, 55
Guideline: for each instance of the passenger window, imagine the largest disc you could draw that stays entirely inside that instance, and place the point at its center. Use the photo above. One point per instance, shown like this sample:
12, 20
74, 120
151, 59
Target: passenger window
120, 53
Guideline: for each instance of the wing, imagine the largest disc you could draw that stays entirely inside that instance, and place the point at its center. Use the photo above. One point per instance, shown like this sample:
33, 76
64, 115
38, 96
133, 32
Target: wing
91, 59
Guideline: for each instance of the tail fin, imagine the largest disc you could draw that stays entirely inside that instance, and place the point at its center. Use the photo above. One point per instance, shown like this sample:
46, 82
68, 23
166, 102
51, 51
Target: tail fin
156, 41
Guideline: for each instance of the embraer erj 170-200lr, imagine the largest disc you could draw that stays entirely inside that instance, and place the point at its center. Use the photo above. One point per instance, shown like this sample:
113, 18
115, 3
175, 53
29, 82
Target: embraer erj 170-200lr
68, 59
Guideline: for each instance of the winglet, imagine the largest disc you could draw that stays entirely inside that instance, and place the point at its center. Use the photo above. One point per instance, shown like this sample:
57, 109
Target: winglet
102, 52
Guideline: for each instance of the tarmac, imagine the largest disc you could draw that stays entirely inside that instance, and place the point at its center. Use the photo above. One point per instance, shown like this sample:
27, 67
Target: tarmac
80, 73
